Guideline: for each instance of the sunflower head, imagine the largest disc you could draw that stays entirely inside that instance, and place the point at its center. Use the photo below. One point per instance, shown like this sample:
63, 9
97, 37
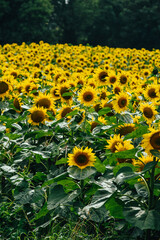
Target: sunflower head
121, 102
126, 128
81, 158
37, 115
87, 96
151, 140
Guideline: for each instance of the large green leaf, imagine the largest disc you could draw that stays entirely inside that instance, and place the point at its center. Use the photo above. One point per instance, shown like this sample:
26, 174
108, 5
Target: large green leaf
58, 196
115, 207
142, 218
80, 174
137, 133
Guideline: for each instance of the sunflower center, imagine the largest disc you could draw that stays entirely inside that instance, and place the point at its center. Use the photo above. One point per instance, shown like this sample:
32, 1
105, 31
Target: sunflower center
152, 93
122, 102
117, 90
112, 79
82, 159
27, 88
103, 95
102, 76
113, 147
16, 104
65, 111
44, 102
97, 107
88, 96
37, 116
123, 79
55, 93
65, 90
126, 130
3, 87
155, 140
93, 125
148, 113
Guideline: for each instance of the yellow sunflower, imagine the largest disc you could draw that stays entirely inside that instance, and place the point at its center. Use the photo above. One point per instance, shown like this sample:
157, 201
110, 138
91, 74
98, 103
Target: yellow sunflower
148, 111
5, 88
63, 112
54, 92
37, 116
17, 103
150, 93
113, 141
87, 96
64, 89
121, 102
44, 100
81, 158
142, 161
101, 76
151, 140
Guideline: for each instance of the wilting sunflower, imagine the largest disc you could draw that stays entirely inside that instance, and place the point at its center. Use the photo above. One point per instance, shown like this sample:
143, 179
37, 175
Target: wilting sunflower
121, 102
148, 111
151, 140
87, 96
37, 116
44, 100
113, 141
81, 158
125, 129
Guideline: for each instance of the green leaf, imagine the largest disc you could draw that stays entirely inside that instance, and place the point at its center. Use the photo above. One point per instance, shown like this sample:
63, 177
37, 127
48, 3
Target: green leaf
61, 161
41, 213
155, 153
80, 174
124, 174
100, 167
126, 154
125, 117
58, 196
53, 180
2, 128
115, 207
137, 133
121, 165
142, 218
67, 94
104, 111
68, 184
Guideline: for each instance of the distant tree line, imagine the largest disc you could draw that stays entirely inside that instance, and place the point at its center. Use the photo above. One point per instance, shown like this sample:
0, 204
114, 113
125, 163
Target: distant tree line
118, 23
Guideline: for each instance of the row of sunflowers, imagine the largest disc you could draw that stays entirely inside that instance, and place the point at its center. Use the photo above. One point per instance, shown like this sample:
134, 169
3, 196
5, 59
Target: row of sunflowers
80, 111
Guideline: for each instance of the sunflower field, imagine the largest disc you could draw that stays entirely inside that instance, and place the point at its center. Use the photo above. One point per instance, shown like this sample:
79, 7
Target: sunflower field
79, 142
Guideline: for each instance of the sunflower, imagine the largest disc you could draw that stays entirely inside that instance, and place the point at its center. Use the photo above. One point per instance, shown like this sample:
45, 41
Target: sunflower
101, 76
17, 103
87, 96
126, 145
125, 129
150, 93
123, 78
63, 112
44, 100
113, 141
64, 92
37, 116
81, 158
4, 88
148, 111
112, 77
108, 104
151, 140
142, 161
54, 92
121, 102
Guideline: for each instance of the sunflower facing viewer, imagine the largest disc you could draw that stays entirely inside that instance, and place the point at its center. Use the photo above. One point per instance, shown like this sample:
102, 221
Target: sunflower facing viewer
81, 158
